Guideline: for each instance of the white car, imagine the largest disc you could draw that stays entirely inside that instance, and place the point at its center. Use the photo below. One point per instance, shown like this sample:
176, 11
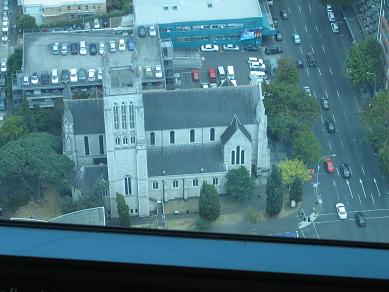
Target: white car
209, 48
329, 8
101, 48
204, 85
341, 210
122, 45
34, 78
73, 75
99, 74
158, 71
82, 48
259, 74
91, 75
3, 65
4, 37
112, 46
96, 23
54, 76
148, 71
307, 90
331, 16
5, 26
296, 38
230, 47
152, 31
334, 27
254, 60
213, 85
257, 66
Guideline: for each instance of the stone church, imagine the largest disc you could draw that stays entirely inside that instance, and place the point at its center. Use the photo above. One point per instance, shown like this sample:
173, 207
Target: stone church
162, 145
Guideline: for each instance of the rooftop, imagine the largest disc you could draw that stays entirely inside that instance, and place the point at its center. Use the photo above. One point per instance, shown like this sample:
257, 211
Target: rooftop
168, 11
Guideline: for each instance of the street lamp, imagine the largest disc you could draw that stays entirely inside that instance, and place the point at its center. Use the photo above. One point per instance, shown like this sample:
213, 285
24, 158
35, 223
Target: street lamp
319, 201
375, 80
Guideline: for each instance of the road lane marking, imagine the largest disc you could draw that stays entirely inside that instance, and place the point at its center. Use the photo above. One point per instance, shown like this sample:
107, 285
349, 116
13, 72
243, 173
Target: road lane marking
323, 49
341, 143
337, 92
349, 219
356, 211
319, 70
306, 30
316, 231
310, 10
337, 171
322, 119
295, 31
289, 9
371, 195
330, 70
363, 170
314, 93
334, 118
359, 197
306, 68
336, 189
312, 50
329, 144
301, 50
325, 91
375, 182
317, 30
345, 116
349, 188
351, 171
299, 8
302, 232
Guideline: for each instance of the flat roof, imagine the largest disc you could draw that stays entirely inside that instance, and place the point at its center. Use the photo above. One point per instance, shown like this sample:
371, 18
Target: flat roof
60, 2
37, 47
169, 11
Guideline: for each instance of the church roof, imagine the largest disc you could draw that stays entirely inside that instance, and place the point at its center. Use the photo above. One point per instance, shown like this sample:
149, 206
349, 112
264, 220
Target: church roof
88, 115
191, 108
88, 176
232, 128
176, 160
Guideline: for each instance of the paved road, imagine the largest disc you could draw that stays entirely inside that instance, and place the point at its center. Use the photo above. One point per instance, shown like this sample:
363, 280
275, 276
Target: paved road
366, 190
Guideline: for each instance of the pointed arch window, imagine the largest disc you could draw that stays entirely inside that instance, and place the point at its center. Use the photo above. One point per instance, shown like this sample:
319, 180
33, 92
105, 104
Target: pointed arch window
125, 140
195, 182
237, 154
132, 140
215, 181
212, 134
175, 184
132, 116
101, 143
192, 136
117, 141
127, 185
233, 157
172, 137
116, 116
152, 138
242, 156
86, 145
124, 116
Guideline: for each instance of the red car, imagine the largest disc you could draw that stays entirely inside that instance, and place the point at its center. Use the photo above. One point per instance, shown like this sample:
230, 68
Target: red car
195, 75
329, 165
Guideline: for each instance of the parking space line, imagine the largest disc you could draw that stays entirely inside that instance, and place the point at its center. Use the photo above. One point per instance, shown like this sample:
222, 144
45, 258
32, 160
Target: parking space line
324, 51
301, 50
312, 50
322, 119
302, 232
371, 195
306, 68
314, 93
363, 170
309, 6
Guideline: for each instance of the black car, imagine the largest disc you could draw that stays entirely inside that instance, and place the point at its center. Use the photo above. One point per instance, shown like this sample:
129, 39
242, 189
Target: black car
81, 74
330, 125
283, 14
311, 59
65, 76
325, 104
3, 81
273, 50
275, 21
250, 47
92, 49
74, 48
142, 31
45, 77
360, 219
300, 63
105, 22
279, 36
345, 170
3, 100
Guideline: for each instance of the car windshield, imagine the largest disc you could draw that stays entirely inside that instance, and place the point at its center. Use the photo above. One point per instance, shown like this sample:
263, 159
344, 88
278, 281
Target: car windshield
202, 118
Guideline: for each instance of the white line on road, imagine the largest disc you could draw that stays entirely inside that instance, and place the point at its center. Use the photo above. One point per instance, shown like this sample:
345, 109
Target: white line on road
359, 197
363, 189
341, 143
317, 30
301, 50
375, 182
336, 189
319, 70
322, 119
316, 231
289, 9
306, 68
306, 30
367, 210
329, 144
314, 93
312, 50
330, 70
337, 171
345, 116
351, 171
371, 195
333, 116
323, 49
302, 232
310, 10
299, 8
349, 188
363, 170
295, 31
325, 91
350, 219
337, 92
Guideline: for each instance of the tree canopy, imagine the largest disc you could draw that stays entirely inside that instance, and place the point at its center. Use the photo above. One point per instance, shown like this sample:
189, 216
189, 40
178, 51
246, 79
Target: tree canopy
209, 204
123, 210
239, 184
296, 190
292, 170
13, 127
274, 191
287, 71
306, 146
25, 21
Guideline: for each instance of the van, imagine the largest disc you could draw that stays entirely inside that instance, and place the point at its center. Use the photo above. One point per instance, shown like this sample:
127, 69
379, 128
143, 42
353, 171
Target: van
212, 75
221, 72
230, 72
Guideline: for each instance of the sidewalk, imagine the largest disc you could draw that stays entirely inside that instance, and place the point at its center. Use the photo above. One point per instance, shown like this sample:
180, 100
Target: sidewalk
353, 24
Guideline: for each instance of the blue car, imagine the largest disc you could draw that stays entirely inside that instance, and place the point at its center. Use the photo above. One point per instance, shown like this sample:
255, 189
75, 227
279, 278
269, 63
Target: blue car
130, 44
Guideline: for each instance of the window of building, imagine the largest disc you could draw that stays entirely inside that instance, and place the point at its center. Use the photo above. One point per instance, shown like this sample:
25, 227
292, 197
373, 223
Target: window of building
124, 116
86, 7
232, 157
242, 156
125, 140
132, 211
212, 134
175, 184
174, 7
132, 139
192, 135
68, 7
165, 7
116, 116
127, 185
117, 141
152, 138
155, 185
86, 145
101, 143
215, 181
172, 138
237, 154
132, 116
105, 192
209, 5
79, 7
195, 182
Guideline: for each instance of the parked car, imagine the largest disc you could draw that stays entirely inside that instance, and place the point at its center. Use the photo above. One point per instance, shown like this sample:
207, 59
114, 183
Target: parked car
152, 31
91, 75
105, 22
122, 45
329, 8
26, 80
307, 90
96, 23
148, 71
55, 48
4, 27
283, 14
101, 48
254, 60
204, 85
73, 75
209, 48
250, 47
158, 71
273, 50
341, 210
45, 77
345, 170
74, 48
325, 104
257, 66
130, 44
87, 25
65, 76
331, 16
300, 63
83, 48
112, 46
334, 27
3, 80
279, 36
275, 21
34, 78
360, 219
141, 31
296, 39
99, 74
195, 75
3, 100
3, 65
330, 125
82, 74
64, 49
4, 37
54, 76
329, 165
230, 47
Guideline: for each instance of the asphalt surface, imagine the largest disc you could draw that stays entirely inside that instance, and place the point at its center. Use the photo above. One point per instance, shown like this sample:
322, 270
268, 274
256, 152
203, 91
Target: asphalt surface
366, 190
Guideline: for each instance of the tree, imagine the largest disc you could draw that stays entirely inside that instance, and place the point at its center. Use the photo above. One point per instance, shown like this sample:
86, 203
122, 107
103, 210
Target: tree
338, 3
14, 62
13, 127
383, 156
306, 146
296, 190
123, 210
363, 63
34, 161
287, 71
239, 184
209, 204
292, 170
274, 190
25, 21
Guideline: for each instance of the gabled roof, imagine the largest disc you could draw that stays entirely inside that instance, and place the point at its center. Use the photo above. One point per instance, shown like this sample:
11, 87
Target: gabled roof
232, 128
88, 176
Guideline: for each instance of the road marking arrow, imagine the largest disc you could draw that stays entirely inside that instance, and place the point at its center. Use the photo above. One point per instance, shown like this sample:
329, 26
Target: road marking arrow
378, 190
349, 188
363, 189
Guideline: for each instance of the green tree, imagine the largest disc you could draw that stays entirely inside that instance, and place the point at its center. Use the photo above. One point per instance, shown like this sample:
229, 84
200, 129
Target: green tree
383, 156
296, 190
209, 204
306, 146
292, 170
14, 61
25, 21
34, 161
274, 190
240, 185
363, 63
287, 71
338, 3
13, 127
123, 210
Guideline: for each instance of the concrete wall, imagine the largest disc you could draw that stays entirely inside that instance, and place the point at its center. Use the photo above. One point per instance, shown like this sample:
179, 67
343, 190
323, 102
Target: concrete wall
94, 148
